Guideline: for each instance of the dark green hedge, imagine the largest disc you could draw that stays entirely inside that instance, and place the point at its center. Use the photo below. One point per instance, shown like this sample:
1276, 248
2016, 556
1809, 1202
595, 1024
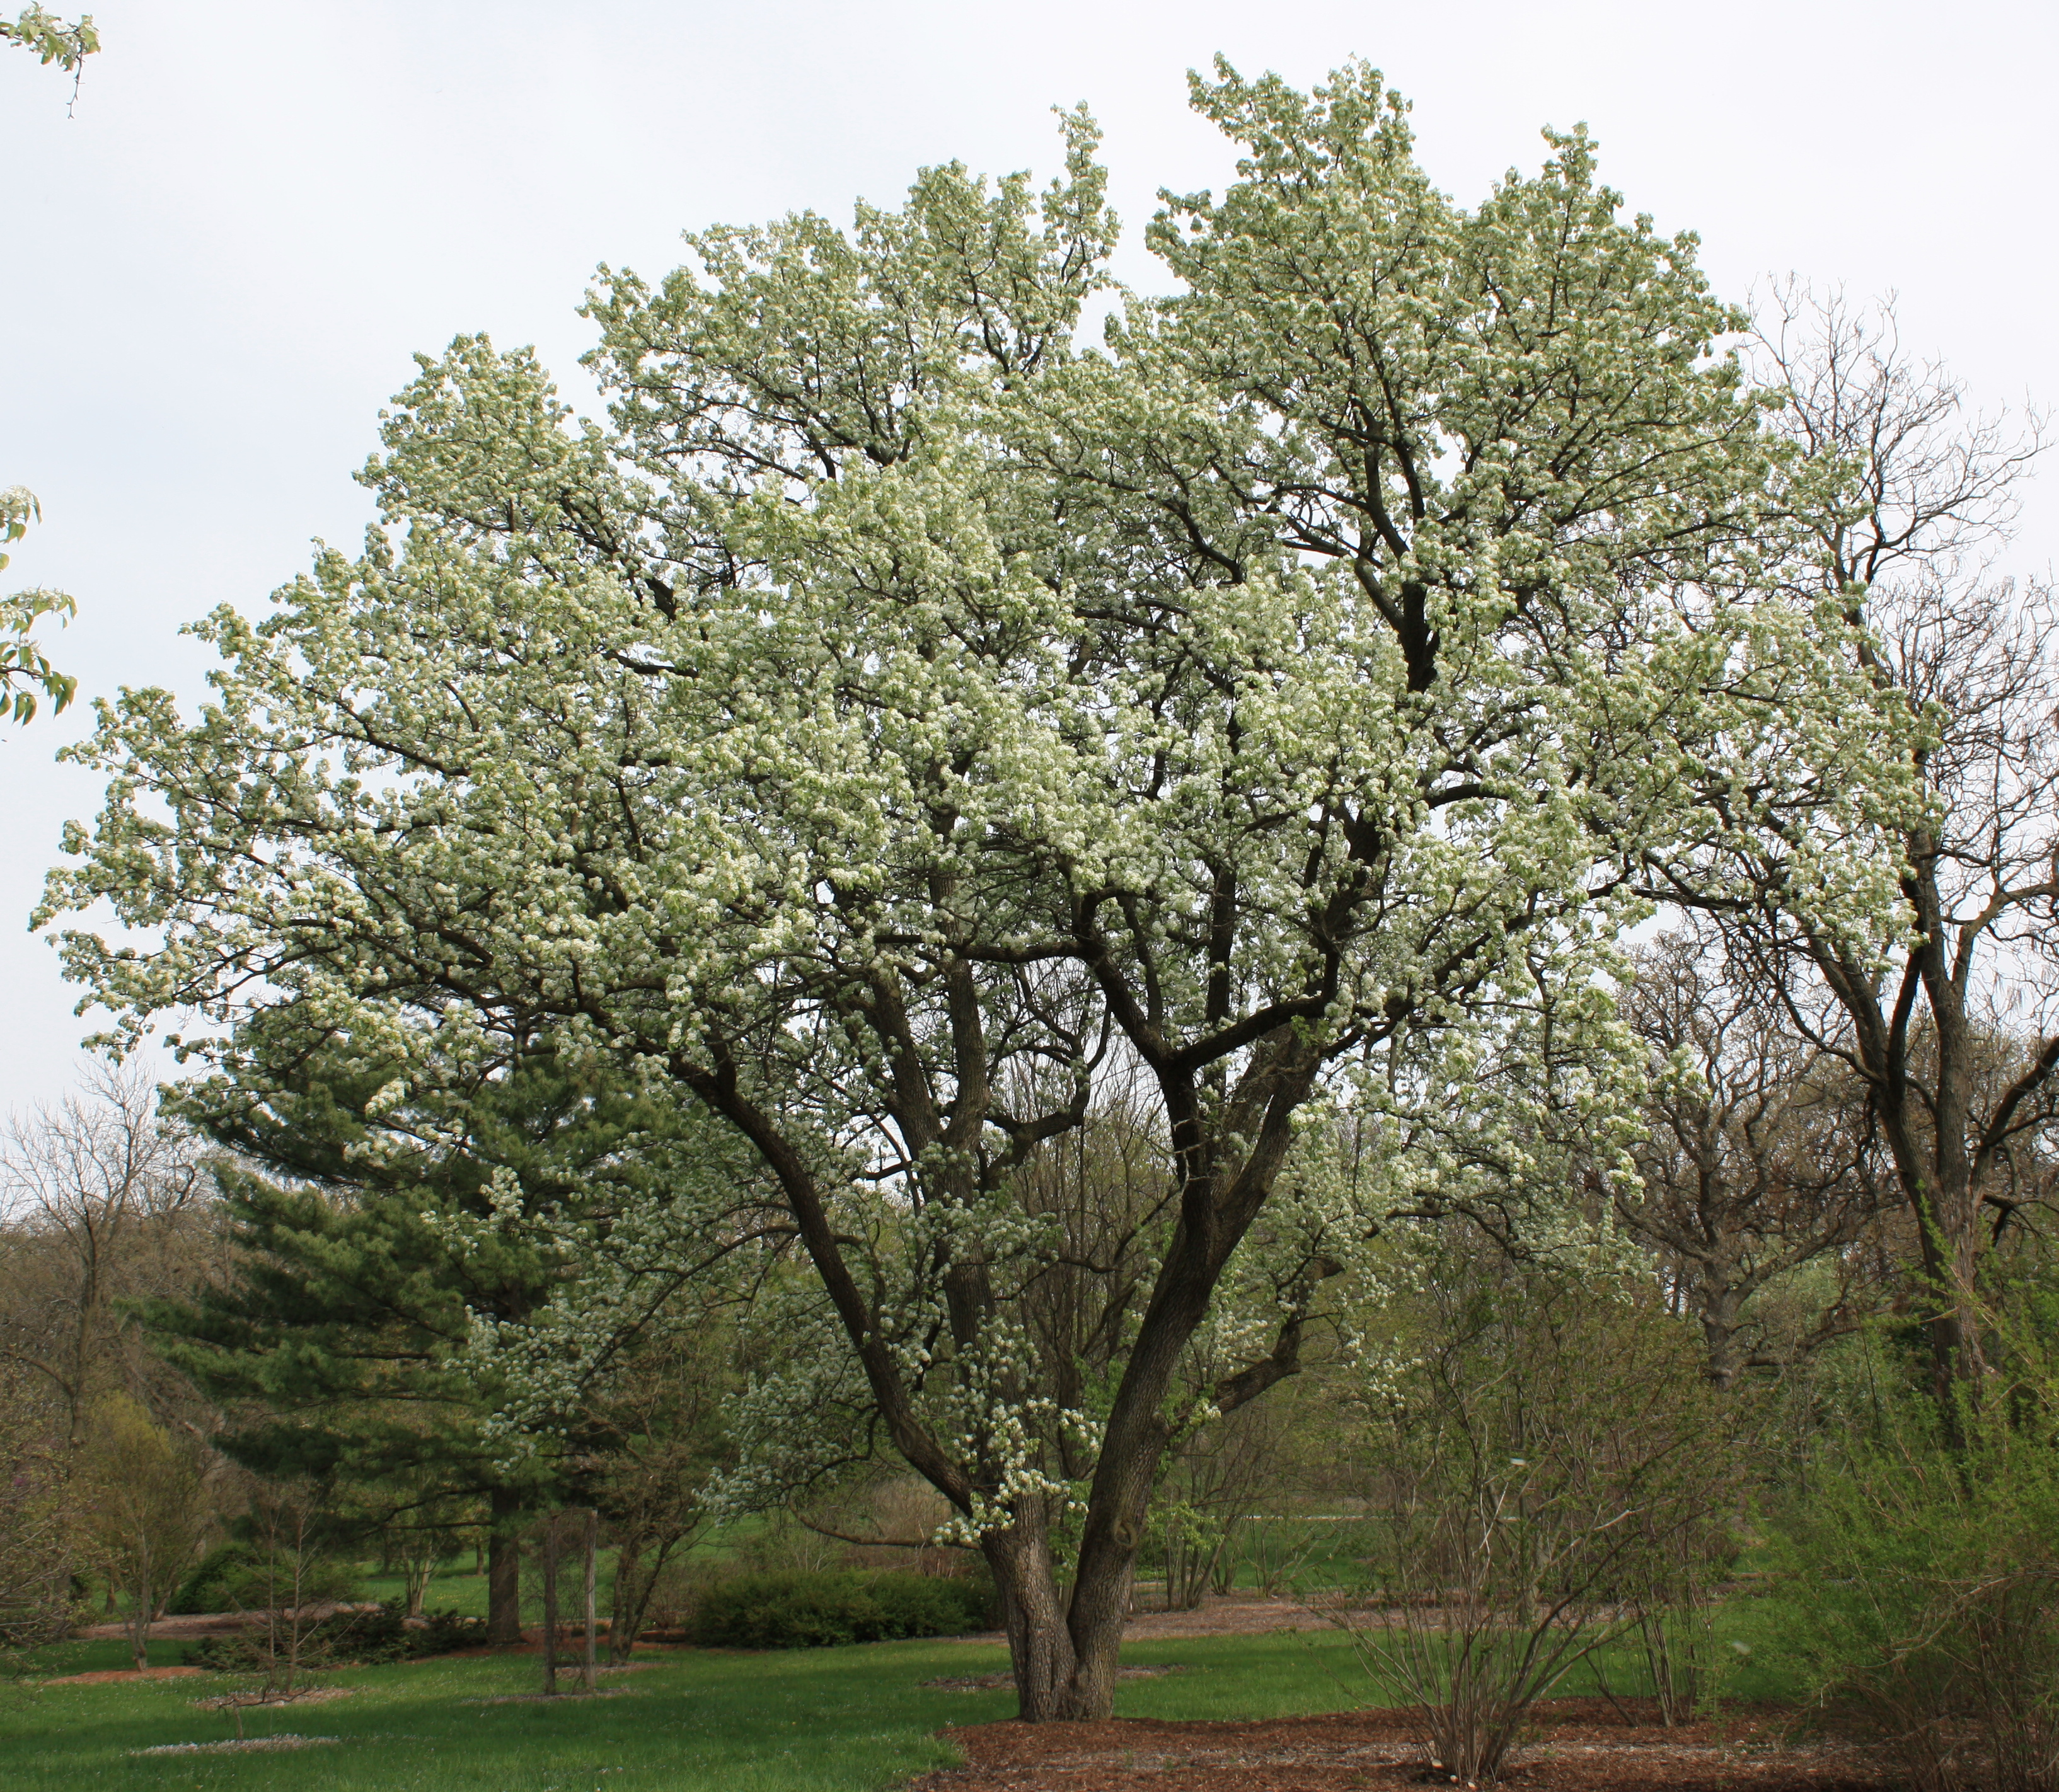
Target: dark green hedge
805, 1611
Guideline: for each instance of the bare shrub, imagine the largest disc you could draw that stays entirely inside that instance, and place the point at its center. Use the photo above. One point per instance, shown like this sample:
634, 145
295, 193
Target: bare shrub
1553, 1466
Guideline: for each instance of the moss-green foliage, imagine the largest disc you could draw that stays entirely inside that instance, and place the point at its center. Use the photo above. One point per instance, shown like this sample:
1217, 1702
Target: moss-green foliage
232, 1577
811, 1610
1915, 1581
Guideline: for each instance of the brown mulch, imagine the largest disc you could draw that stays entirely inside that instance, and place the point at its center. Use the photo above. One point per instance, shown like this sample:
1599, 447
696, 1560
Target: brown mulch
1224, 1614
1575, 1745
106, 1674
260, 1700
192, 1626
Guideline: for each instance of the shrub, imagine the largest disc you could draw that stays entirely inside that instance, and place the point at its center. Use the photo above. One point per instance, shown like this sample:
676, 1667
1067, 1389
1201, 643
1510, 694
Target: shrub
1915, 1585
384, 1633
1554, 1472
804, 1610
216, 1580
236, 1576
388, 1635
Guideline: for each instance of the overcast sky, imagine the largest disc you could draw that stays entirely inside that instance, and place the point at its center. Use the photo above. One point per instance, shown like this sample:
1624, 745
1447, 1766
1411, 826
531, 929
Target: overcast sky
213, 273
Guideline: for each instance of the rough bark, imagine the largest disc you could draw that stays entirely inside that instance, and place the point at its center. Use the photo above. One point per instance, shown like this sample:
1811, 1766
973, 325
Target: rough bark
550, 1556
590, 1548
503, 1571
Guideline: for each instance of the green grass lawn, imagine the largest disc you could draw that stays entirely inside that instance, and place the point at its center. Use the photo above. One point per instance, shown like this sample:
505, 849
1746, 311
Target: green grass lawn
829, 1720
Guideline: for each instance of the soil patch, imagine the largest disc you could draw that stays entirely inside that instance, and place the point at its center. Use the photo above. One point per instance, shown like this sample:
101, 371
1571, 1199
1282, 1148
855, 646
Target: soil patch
1224, 1614
1573, 1746
107, 1674
194, 1626
260, 1702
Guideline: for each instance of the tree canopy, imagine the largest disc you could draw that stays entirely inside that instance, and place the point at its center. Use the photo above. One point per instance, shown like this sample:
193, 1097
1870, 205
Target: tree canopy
901, 724
51, 38
22, 663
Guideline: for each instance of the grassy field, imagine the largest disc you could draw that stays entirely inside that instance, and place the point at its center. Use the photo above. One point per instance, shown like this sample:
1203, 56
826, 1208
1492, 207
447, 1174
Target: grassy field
831, 1720
814, 1721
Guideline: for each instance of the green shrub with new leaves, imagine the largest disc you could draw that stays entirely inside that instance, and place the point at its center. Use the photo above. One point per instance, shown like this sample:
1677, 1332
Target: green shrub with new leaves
1916, 1583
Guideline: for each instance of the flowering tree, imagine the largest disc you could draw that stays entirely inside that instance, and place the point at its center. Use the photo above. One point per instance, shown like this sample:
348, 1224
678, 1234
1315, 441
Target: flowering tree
899, 723
51, 38
21, 661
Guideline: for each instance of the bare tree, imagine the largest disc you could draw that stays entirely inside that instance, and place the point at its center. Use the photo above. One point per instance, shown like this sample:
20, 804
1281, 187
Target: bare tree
1761, 1156
1939, 631
35, 1533
100, 1203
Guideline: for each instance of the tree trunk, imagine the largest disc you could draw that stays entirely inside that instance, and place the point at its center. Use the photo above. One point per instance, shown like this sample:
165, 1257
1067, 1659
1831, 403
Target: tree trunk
1720, 1313
551, 1603
1064, 1652
1040, 1645
625, 1609
503, 1571
635, 1580
139, 1606
1946, 1223
589, 1666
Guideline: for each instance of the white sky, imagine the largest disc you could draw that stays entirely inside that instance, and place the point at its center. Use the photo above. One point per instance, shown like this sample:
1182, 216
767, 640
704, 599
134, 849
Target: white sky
213, 274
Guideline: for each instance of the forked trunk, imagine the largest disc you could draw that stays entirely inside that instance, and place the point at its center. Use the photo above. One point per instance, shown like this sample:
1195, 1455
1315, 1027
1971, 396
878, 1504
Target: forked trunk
1063, 1651
632, 1597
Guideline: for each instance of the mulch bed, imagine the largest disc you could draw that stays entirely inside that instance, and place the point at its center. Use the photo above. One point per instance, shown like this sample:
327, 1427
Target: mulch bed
1574, 1745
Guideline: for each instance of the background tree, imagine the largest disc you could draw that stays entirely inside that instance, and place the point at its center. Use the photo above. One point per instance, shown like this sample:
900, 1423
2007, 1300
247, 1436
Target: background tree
1973, 656
656, 1440
1762, 1157
895, 715
137, 1500
102, 1204
37, 1555
374, 1237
